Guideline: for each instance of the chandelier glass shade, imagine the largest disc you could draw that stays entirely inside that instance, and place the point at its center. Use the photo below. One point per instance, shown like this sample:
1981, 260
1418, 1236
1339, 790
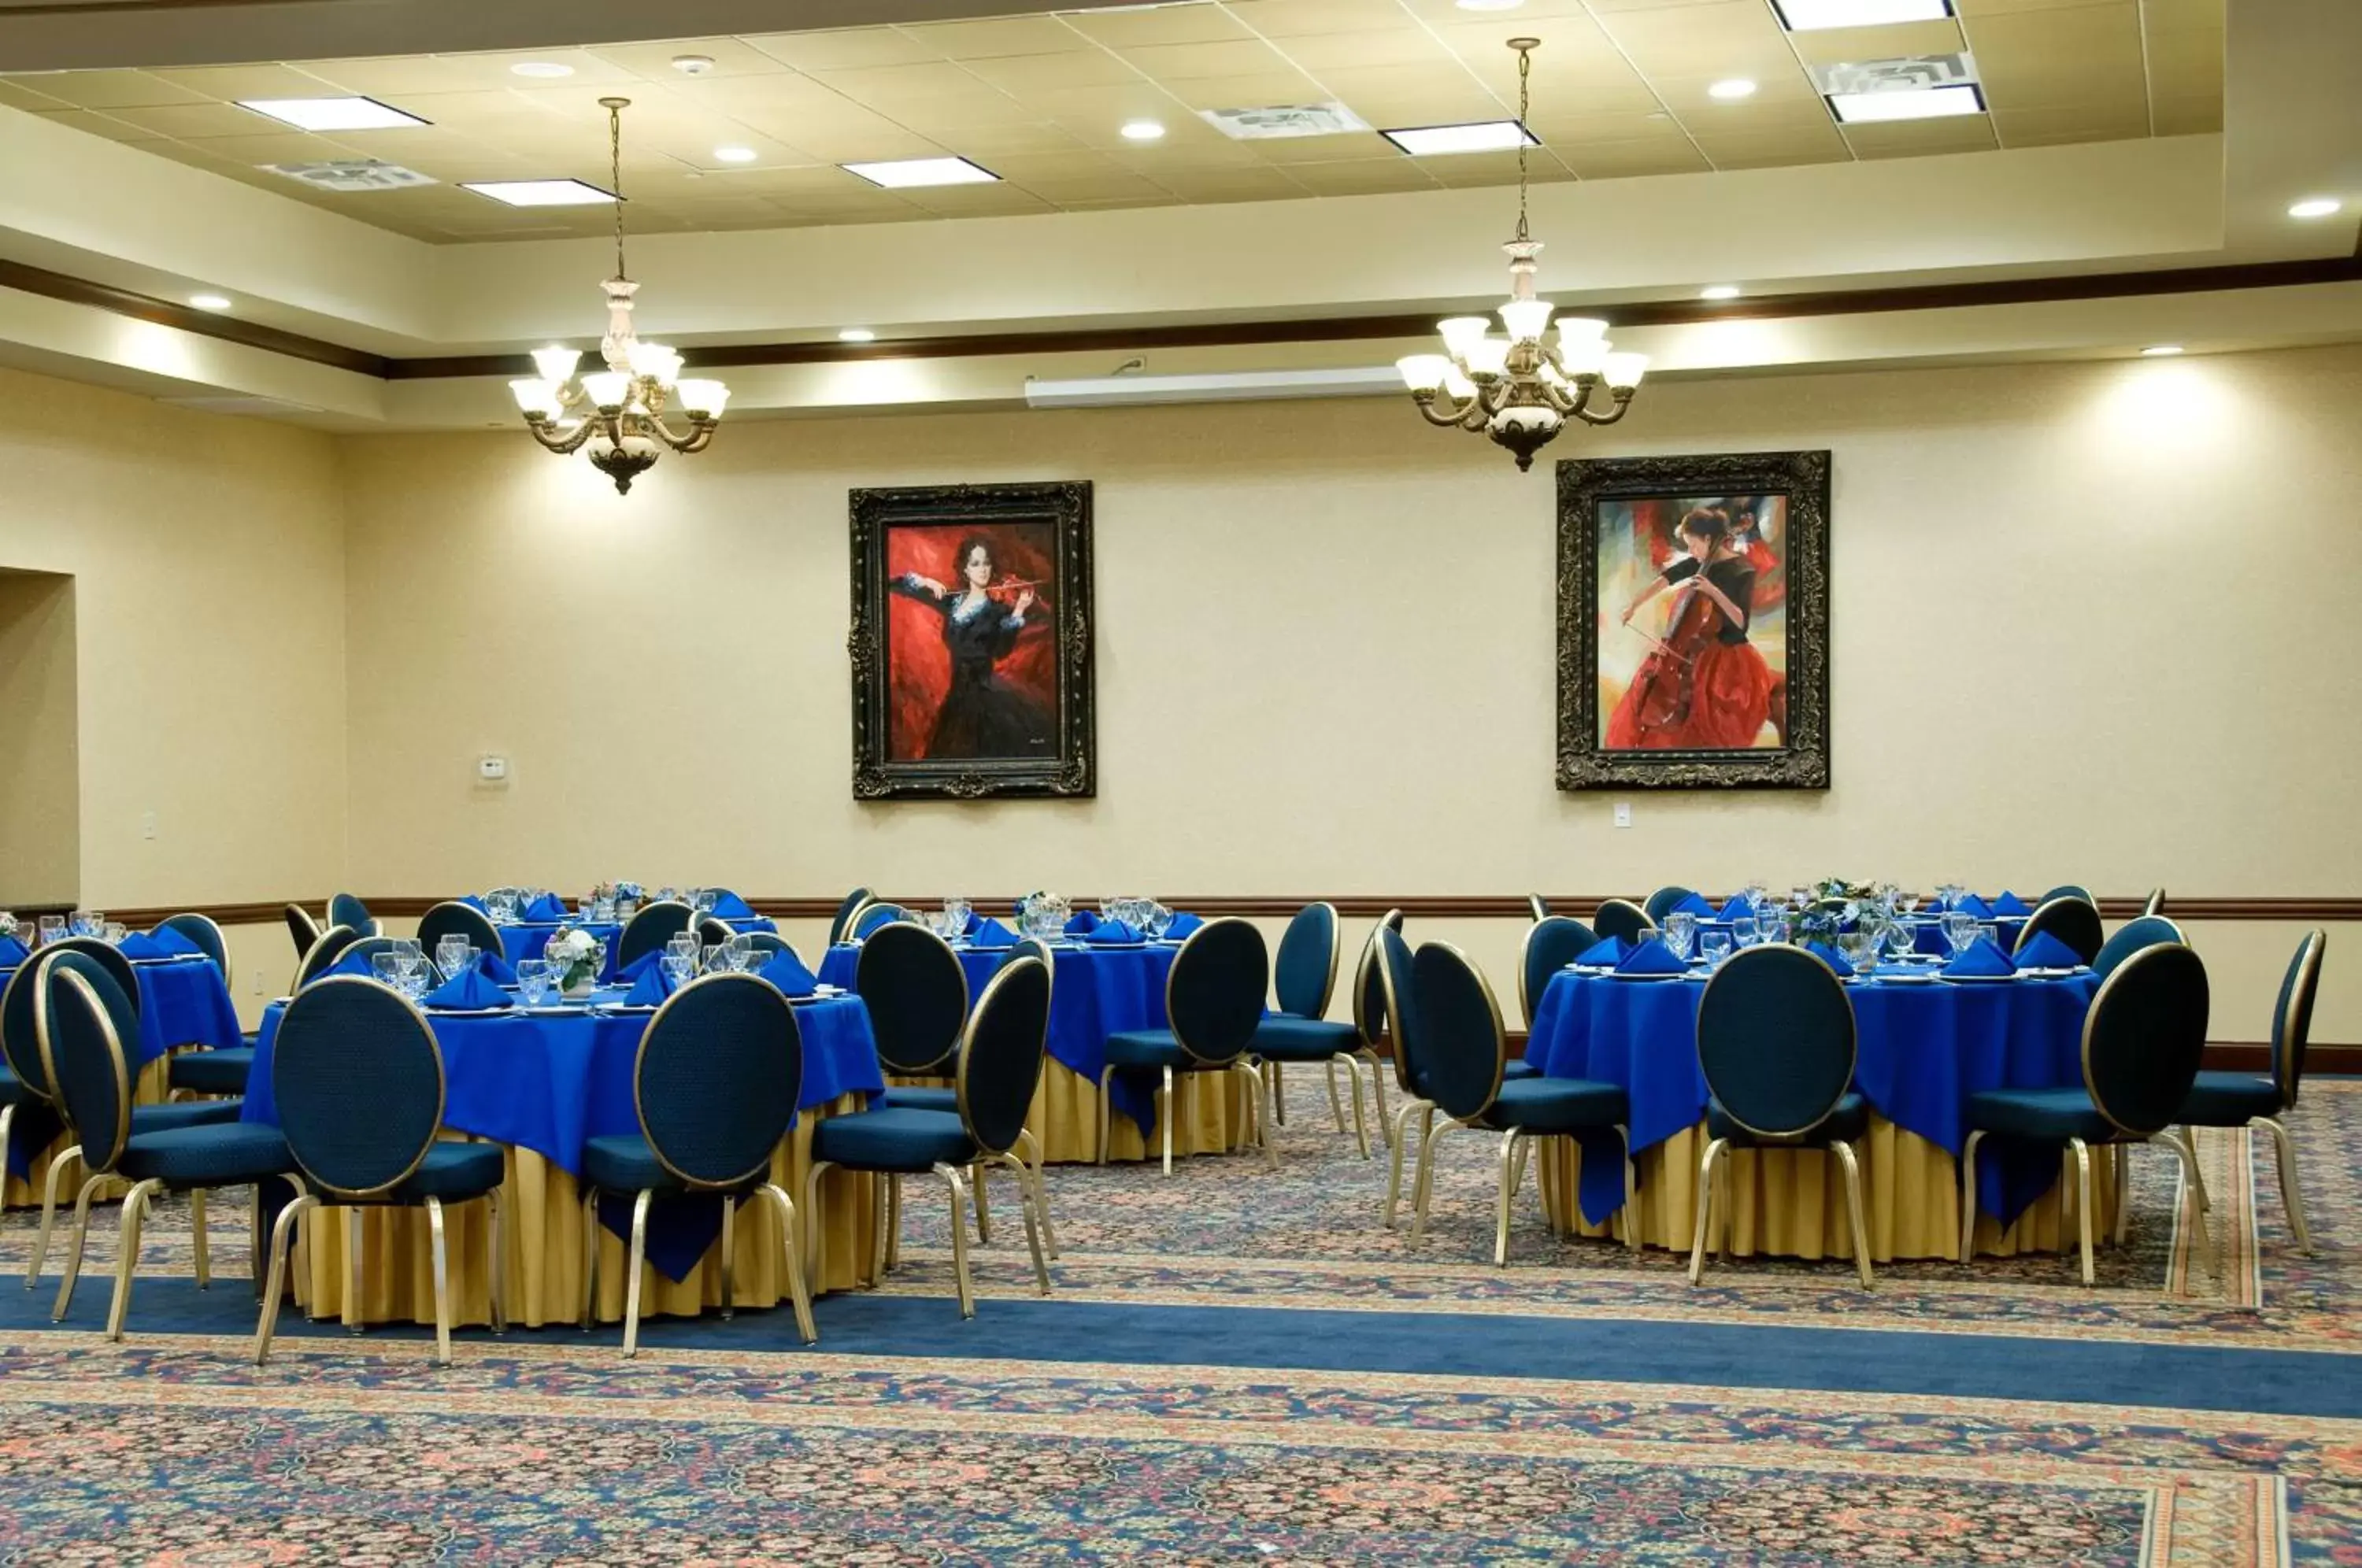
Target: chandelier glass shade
616, 414
1519, 387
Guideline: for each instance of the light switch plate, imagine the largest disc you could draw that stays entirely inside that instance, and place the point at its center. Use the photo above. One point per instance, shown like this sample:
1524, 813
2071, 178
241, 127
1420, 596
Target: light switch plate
1623, 814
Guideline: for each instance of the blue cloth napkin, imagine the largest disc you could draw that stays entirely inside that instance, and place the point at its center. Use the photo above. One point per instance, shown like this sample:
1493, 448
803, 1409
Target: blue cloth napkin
638, 966
1736, 905
1609, 951
1826, 952
1971, 905
1082, 923
2009, 903
652, 987
549, 907
730, 906
140, 946
2046, 952
1182, 924
1112, 934
1984, 958
352, 964
788, 972
975, 923
473, 990
992, 933
1696, 904
494, 967
1652, 957
174, 944
12, 953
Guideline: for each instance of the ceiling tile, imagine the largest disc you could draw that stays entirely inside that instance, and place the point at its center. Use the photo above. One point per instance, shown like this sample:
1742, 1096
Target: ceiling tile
17, 93
188, 120
653, 62
1023, 74
950, 116
1907, 138
283, 147
115, 89
845, 49
1260, 184
882, 87
1969, 10
1724, 37
1806, 119
1618, 6
2074, 122
1846, 46
1117, 186
1629, 159
1557, 13
89, 122
2198, 115
1296, 19
1338, 149
1201, 61
1785, 92
1470, 168
979, 201
1563, 39
1321, 52
1136, 27
2185, 61
1568, 130
1121, 204
1772, 148
1027, 168
1361, 177
230, 82
812, 179
1390, 89
1249, 92
994, 36
1001, 141
2050, 59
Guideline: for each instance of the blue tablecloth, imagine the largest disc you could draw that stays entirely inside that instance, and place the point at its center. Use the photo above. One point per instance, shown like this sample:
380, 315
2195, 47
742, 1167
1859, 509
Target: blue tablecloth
1093, 992
550, 1082
526, 939
1924, 1050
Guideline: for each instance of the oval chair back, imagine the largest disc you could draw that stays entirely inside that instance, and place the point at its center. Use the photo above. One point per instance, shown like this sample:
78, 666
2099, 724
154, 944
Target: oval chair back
367, 949
1550, 945
2143, 1036
877, 917
1665, 902
1304, 974
2156, 905
302, 929
118, 968
1398, 988
917, 995
1031, 947
1000, 1054
452, 918
1776, 1040
201, 930
718, 1073
359, 1078
1213, 998
840, 923
2071, 890
765, 941
1536, 906
650, 927
2074, 920
20, 1045
324, 955
2130, 938
1369, 986
346, 909
1462, 1047
83, 1020
2292, 1015
1621, 917
713, 931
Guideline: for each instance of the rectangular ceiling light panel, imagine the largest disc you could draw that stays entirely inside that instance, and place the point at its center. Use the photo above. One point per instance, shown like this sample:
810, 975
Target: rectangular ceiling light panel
1923, 104
1811, 16
905, 173
1913, 87
539, 193
332, 114
1488, 136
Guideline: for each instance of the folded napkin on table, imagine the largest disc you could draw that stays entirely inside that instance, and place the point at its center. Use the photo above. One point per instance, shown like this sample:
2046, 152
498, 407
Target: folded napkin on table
1826, 952
974, 921
1182, 924
140, 946
1609, 951
174, 944
652, 987
1736, 905
1082, 923
471, 991
12, 953
992, 933
639, 966
1984, 958
494, 967
549, 907
788, 972
730, 906
2009, 903
2046, 952
1652, 957
1971, 905
1110, 933
359, 963
1696, 904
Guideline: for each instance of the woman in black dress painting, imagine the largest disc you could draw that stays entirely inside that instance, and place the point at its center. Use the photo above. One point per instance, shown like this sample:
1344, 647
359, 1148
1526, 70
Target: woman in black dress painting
983, 716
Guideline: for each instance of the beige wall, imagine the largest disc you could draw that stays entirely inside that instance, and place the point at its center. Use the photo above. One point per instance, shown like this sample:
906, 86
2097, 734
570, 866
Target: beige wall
2080, 634
40, 781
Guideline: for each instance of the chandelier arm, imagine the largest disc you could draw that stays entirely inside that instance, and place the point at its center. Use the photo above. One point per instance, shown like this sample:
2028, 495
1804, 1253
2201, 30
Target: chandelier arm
1623, 402
545, 432
1454, 410
655, 426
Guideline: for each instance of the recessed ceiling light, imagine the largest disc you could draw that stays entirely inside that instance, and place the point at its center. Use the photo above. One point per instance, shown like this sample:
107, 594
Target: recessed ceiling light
1719, 291
1808, 15
1490, 4
2316, 207
856, 334
1487, 136
1736, 87
1914, 104
546, 68
332, 114
209, 302
693, 65
733, 155
539, 193
906, 172
1142, 130
2161, 351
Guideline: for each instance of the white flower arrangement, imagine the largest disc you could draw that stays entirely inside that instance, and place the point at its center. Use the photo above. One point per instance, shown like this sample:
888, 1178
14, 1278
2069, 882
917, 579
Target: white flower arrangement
578, 955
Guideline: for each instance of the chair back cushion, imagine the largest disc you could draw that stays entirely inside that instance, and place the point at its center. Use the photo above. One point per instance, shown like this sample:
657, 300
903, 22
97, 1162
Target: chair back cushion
367, 949
1000, 1054
118, 968
1620, 917
301, 928
345, 909
324, 954
876, 917
359, 1078
1398, 1006
1462, 1048
765, 942
1776, 1040
841, 921
2143, 1036
20, 1025
1550, 945
85, 1024
1369, 984
1665, 902
2130, 938
917, 995
456, 919
712, 930
1305, 972
2292, 1015
719, 1071
201, 930
650, 927
1213, 998
2072, 920
2071, 890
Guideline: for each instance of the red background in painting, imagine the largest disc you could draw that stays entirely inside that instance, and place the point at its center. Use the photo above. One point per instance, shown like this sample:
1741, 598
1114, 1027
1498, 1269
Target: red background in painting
917, 667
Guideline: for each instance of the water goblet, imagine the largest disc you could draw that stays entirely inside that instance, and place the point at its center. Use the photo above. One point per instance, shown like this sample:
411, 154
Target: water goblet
1858, 947
956, 911
1959, 929
677, 968
1743, 930
386, 970
1160, 921
116, 931
1681, 934
49, 929
413, 984
1898, 938
535, 978
1716, 945
1772, 924
715, 959
80, 922
452, 954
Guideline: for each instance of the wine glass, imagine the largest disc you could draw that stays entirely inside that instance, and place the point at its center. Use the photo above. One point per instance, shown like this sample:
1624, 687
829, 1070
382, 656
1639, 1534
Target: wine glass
1160, 921
1716, 945
1770, 923
677, 968
956, 911
453, 954
1680, 934
683, 946
386, 968
1743, 930
535, 976
49, 929
1899, 938
1960, 930
1858, 946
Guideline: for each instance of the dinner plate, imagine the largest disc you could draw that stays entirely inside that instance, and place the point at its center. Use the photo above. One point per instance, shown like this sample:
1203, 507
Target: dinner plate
2052, 974
1977, 979
468, 1012
551, 1011
807, 1001
1116, 946
634, 1007
1908, 979
1618, 975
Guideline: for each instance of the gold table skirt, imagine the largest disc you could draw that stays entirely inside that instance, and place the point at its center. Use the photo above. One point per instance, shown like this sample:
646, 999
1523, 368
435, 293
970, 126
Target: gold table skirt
1792, 1203
1215, 1117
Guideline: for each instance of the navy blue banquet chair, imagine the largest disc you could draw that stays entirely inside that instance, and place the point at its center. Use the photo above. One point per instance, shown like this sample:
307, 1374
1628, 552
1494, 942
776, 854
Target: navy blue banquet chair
2242, 1099
1665, 902
1396, 1007
840, 924
1303, 978
2070, 891
650, 927
1369, 999
1550, 945
1213, 1003
1538, 907
1622, 917
324, 955
875, 916
719, 1073
999, 1057
1776, 1043
452, 918
712, 930
302, 929
2072, 920
358, 1080
361, 954
201, 930
2148, 930
2156, 905
770, 944
346, 909
83, 1020
2142, 1041
219, 1069
1463, 1054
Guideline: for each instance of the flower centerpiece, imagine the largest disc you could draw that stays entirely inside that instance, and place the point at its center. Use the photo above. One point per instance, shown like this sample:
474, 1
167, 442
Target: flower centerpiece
577, 956
1043, 914
1834, 905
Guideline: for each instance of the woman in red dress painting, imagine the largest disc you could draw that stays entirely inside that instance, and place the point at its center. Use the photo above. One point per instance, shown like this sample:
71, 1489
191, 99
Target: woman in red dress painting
1706, 687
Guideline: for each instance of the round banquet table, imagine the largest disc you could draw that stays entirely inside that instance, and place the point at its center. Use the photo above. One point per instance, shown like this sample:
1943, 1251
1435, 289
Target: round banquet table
182, 1002
542, 1085
521, 939
1923, 1049
1096, 992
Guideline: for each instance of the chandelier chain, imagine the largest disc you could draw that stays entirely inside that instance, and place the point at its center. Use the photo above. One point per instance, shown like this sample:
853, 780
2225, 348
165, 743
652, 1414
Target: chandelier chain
615, 174
1525, 69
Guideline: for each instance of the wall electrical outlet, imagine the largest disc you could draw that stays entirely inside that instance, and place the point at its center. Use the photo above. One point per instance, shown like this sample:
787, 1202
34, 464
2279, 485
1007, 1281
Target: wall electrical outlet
491, 769
256, 981
147, 824
1623, 814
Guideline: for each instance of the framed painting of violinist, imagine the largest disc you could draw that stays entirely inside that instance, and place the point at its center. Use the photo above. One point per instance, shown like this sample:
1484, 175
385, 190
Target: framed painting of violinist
1694, 622
971, 641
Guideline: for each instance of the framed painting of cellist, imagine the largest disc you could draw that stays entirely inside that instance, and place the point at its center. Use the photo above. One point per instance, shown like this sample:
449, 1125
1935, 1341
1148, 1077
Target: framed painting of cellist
971, 641
1694, 622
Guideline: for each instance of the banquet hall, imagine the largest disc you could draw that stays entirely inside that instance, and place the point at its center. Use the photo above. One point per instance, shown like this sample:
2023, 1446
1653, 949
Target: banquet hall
1234, 780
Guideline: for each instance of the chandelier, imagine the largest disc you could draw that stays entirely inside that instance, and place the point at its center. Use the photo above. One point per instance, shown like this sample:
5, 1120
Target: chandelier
1516, 389
617, 413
